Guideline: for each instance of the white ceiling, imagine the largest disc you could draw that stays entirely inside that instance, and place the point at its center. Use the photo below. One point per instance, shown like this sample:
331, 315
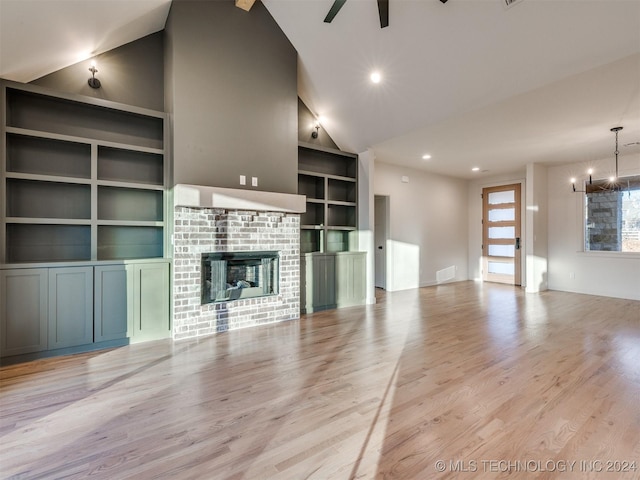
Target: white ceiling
38, 37
470, 82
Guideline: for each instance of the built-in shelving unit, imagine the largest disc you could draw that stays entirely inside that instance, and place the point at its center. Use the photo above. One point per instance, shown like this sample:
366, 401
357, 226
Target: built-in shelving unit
329, 179
83, 179
83, 216
332, 273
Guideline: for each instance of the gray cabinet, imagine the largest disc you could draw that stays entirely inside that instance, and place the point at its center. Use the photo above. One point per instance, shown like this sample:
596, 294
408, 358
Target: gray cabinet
350, 285
332, 280
77, 308
112, 312
149, 294
70, 307
23, 311
317, 286
132, 301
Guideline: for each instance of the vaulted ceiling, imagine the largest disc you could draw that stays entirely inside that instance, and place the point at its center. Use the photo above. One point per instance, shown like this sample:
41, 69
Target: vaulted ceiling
470, 82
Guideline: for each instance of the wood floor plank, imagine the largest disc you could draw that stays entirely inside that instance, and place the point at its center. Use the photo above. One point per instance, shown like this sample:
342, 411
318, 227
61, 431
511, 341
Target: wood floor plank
491, 381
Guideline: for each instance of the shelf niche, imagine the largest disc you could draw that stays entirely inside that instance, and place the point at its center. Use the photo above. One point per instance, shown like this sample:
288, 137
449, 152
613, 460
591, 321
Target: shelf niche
117, 242
120, 165
48, 243
35, 111
35, 199
129, 204
44, 156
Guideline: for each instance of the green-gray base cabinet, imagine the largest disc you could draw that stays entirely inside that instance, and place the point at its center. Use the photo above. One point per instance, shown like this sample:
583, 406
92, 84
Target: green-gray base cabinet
132, 301
67, 309
150, 293
23, 311
351, 270
112, 313
332, 280
70, 307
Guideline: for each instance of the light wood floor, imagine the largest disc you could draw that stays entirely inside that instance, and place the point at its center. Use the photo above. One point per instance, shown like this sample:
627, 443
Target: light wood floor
504, 383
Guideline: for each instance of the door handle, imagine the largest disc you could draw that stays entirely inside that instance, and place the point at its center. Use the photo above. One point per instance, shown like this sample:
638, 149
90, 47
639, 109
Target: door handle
517, 243
379, 247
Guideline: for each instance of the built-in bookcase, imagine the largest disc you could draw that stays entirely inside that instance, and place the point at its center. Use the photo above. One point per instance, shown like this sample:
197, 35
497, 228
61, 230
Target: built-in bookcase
329, 179
82, 179
83, 214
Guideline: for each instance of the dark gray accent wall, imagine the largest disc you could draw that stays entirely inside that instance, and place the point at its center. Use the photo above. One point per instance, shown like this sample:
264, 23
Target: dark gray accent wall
132, 74
232, 96
306, 121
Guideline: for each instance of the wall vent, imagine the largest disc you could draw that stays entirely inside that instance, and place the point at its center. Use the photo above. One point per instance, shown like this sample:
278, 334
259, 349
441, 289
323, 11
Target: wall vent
511, 3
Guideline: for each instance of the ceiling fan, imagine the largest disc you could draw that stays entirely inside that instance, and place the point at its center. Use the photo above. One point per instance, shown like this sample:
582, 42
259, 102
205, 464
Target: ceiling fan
383, 11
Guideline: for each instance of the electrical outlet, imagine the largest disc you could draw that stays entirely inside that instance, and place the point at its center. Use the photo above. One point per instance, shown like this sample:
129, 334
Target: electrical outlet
254, 181
243, 180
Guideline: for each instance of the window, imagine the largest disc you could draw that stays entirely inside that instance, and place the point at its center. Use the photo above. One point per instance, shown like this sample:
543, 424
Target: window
613, 215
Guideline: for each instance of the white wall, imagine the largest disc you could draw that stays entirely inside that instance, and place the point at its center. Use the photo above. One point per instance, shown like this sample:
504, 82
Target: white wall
366, 170
570, 268
536, 231
428, 227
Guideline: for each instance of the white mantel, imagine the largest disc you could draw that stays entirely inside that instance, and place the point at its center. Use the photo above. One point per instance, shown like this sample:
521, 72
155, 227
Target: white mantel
200, 196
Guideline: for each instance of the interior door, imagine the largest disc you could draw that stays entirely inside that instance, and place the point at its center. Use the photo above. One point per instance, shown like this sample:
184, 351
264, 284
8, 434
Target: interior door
381, 229
501, 227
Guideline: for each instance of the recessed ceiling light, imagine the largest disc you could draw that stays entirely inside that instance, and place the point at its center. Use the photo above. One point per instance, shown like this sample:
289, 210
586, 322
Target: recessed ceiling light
426, 156
375, 77
475, 169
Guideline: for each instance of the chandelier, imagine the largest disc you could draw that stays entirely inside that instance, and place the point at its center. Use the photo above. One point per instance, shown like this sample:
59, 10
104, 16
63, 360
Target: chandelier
613, 184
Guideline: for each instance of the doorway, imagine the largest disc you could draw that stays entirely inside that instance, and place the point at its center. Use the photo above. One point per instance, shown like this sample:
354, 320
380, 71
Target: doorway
380, 237
501, 252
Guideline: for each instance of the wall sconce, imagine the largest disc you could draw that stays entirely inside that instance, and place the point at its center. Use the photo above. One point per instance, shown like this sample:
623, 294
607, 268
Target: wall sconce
93, 81
317, 127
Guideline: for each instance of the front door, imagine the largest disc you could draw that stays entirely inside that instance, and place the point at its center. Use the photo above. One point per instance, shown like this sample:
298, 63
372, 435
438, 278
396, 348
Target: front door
501, 234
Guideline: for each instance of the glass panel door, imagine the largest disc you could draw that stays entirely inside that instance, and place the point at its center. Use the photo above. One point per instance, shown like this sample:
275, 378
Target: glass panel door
501, 234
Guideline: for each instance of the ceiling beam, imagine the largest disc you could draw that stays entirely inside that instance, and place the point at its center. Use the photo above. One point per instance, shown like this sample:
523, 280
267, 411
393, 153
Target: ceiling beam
245, 4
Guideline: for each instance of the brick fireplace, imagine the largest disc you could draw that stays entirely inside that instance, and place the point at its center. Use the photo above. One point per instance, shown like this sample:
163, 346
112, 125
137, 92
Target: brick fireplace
209, 220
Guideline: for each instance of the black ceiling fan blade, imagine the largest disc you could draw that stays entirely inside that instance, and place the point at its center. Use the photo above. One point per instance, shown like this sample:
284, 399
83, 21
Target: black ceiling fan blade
335, 8
383, 11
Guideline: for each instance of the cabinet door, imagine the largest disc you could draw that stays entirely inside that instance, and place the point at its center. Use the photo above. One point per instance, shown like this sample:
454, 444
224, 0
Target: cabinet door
317, 289
70, 307
113, 310
150, 294
324, 288
350, 278
23, 311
